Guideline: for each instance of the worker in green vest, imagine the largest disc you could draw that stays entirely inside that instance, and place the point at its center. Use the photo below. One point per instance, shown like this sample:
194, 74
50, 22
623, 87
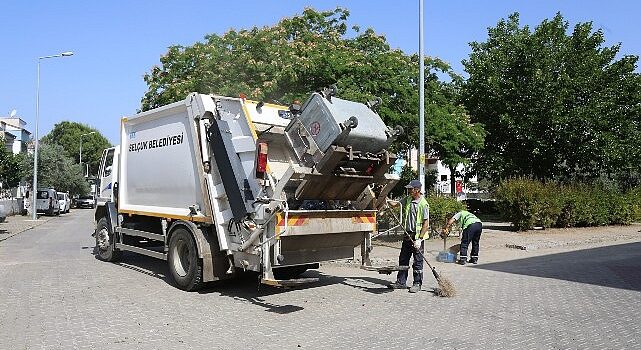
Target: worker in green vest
472, 228
415, 218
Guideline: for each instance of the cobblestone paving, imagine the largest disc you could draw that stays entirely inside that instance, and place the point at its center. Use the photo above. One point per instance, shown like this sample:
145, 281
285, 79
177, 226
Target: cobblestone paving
55, 295
14, 225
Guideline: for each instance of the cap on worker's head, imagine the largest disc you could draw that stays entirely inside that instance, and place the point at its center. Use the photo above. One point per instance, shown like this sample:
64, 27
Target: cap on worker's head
414, 184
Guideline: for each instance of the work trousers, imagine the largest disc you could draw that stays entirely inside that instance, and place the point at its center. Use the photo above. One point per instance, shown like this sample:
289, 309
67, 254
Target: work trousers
471, 234
407, 251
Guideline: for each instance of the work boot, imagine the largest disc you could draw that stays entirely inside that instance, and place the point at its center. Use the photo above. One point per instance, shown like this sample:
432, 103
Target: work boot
473, 261
415, 288
461, 261
396, 285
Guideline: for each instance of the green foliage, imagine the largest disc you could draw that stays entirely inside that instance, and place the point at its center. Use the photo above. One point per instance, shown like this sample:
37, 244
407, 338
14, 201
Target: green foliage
9, 167
528, 203
407, 175
431, 178
453, 138
556, 105
56, 169
520, 202
307, 52
634, 198
442, 208
67, 134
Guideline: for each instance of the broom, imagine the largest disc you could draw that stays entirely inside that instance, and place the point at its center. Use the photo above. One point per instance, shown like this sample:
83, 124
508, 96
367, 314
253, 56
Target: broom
445, 287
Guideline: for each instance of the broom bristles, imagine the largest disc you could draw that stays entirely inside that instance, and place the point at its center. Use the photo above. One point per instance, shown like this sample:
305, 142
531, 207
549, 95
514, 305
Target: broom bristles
445, 288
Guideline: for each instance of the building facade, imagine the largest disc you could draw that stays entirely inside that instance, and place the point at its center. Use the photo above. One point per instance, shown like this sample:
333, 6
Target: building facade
15, 134
442, 172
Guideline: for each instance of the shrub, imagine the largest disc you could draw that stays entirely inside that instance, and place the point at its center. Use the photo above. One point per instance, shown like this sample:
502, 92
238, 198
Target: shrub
441, 208
620, 211
634, 201
520, 202
527, 203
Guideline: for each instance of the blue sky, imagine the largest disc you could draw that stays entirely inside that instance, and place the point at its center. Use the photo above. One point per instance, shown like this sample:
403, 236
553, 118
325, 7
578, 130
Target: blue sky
115, 42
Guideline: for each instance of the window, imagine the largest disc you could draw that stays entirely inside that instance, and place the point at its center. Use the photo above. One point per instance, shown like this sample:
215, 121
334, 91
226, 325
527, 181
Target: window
42, 195
109, 159
443, 177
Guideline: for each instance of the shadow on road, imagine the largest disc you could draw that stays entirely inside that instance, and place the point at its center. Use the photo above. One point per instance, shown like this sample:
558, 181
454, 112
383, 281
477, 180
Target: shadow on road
246, 287
616, 266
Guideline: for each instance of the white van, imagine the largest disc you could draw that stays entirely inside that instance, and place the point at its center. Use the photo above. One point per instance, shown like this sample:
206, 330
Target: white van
65, 202
47, 201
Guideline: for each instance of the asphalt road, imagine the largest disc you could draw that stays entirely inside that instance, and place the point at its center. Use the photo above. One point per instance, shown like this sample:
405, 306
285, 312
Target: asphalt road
54, 294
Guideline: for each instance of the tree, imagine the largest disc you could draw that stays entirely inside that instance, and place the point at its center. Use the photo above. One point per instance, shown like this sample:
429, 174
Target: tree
456, 141
453, 138
297, 56
56, 170
67, 134
9, 167
555, 105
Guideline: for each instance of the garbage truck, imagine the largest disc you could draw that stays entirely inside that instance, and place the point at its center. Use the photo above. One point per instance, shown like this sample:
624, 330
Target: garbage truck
218, 185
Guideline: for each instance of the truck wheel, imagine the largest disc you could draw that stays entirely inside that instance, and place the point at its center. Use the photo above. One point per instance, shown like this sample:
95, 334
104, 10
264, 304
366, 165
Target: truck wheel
105, 242
184, 265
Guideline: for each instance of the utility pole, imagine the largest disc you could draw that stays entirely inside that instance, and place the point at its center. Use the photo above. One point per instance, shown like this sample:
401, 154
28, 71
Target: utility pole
421, 104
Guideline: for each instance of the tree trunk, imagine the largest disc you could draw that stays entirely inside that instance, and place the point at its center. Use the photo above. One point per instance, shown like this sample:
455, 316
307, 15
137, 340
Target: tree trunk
452, 181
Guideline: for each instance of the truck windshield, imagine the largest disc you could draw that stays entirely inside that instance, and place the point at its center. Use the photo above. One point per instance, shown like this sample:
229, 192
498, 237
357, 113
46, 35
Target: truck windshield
61, 196
86, 197
43, 195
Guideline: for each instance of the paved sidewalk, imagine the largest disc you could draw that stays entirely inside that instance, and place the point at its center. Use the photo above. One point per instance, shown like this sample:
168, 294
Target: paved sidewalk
500, 243
16, 224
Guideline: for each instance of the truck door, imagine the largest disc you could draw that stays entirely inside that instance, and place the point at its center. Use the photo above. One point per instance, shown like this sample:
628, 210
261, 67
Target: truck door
107, 174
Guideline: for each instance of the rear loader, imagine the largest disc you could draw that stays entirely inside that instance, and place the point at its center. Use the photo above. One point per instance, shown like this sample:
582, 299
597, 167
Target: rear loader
218, 185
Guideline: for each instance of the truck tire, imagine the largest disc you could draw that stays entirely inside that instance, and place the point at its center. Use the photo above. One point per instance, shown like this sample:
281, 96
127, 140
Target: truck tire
184, 264
105, 242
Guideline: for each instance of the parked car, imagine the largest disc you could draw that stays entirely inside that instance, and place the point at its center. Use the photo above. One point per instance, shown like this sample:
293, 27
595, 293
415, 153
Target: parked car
47, 201
3, 213
86, 202
65, 202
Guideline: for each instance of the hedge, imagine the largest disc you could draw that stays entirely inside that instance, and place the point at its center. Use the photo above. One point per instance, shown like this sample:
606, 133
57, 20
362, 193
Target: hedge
528, 203
441, 209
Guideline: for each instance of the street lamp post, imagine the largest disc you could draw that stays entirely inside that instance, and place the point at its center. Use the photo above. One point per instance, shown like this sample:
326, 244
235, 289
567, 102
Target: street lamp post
89, 133
35, 152
421, 103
